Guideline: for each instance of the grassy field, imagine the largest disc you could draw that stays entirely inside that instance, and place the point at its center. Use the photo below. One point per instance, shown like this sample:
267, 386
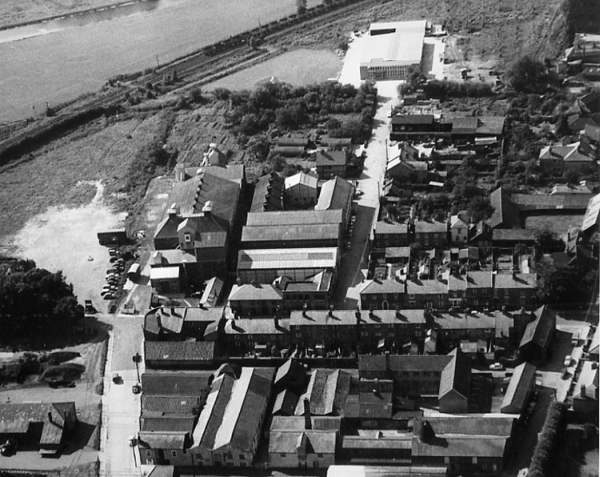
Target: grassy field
63, 172
289, 68
19, 11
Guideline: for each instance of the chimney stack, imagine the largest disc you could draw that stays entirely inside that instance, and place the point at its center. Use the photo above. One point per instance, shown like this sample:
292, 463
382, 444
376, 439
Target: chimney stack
307, 420
304, 309
49, 416
583, 392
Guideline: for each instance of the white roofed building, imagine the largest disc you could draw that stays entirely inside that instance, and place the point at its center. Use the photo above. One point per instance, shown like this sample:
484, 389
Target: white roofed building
393, 47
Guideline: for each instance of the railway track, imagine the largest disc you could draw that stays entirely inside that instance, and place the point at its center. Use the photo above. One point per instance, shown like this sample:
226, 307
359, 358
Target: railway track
193, 68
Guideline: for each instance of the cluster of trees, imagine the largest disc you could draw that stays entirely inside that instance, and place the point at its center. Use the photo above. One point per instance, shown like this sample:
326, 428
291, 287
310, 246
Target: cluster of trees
528, 75
151, 159
443, 89
549, 440
570, 284
287, 107
467, 195
34, 300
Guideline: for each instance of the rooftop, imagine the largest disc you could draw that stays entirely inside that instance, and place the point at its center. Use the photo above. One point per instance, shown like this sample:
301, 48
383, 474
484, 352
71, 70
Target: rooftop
287, 258
402, 43
331, 158
295, 217
179, 350
349, 318
290, 233
255, 292
335, 194
301, 178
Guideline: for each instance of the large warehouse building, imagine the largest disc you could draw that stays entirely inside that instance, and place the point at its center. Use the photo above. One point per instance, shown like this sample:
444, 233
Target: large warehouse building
392, 49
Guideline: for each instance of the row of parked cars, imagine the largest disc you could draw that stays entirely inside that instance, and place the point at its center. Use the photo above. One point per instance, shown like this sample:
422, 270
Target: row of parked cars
113, 275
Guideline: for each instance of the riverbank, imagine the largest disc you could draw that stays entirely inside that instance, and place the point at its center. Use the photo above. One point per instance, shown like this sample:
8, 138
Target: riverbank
17, 13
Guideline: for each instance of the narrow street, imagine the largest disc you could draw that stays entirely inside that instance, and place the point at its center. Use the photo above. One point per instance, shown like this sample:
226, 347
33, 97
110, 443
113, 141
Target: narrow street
354, 261
120, 406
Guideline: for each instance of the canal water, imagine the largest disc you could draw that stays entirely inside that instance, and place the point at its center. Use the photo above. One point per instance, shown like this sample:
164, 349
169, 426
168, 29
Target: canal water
60, 59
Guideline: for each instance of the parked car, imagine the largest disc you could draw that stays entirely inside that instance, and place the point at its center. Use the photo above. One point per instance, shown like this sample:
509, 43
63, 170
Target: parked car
568, 360
136, 388
9, 447
496, 367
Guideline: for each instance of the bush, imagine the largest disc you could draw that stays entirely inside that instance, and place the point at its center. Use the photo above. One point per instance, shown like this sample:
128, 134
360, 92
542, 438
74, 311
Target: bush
549, 440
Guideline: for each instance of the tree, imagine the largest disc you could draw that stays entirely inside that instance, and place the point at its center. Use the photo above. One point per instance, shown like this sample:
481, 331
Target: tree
301, 6
259, 147
557, 285
547, 241
528, 75
479, 208
34, 299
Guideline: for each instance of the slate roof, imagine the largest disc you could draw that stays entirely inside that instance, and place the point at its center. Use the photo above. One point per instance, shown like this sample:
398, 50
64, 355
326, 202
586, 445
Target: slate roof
167, 424
233, 410
479, 279
268, 193
348, 317
463, 321
426, 287
456, 376
165, 258
172, 319
424, 227
517, 393
256, 326
15, 418
413, 119
165, 405
301, 178
382, 286
513, 235
284, 258
179, 350
305, 442
285, 403
395, 363
506, 214
162, 440
331, 158
258, 292
335, 194
295, 423
326, 391
232, 172
550, 202
290, 233
397, 252
464, 125
463, 436
539, 331
179, 383
295, 217
382, 227
516, 281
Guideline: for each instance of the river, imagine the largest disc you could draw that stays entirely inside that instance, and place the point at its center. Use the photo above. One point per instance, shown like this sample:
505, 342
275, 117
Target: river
61, 59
